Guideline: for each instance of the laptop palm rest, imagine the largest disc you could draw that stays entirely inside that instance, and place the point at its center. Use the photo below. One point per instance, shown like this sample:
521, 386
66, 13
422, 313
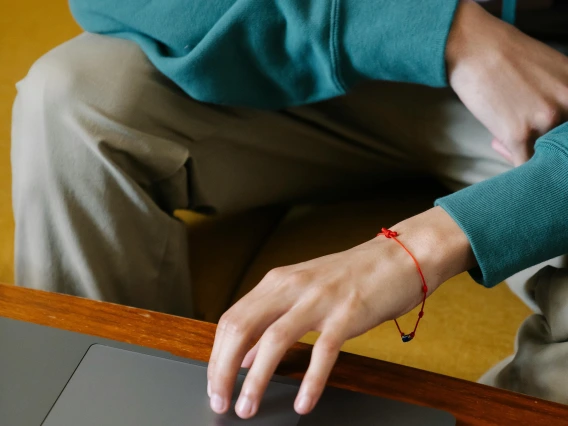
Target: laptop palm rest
117, 387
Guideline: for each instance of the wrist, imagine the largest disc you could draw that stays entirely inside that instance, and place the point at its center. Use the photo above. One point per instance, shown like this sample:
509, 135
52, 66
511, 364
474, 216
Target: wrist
439, 245
473, 40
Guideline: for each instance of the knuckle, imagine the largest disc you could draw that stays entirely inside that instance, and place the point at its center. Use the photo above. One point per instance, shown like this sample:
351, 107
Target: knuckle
250, 390
547, 117
298, 278
232, 324
276, 336
275, 274
224, 321
329, 347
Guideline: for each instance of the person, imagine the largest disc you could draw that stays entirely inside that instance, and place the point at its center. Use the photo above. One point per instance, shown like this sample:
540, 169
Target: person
228, 105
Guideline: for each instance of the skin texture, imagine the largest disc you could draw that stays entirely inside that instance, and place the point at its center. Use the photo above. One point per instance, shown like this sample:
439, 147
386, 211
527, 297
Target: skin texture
516, 87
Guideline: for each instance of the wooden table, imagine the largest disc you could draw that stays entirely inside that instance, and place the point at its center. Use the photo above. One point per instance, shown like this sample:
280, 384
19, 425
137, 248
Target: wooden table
471, 403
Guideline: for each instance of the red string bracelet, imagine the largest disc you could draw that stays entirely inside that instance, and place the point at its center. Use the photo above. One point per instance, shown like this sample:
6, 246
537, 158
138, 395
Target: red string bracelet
408, 337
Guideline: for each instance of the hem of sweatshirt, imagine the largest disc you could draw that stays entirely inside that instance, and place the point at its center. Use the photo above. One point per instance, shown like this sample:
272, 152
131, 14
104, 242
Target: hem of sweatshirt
403, 40
515, 220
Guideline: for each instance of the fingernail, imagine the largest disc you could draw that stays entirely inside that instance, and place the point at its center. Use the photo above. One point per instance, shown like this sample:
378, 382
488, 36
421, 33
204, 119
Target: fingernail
244, 407
217, 404
208, 389
304, 404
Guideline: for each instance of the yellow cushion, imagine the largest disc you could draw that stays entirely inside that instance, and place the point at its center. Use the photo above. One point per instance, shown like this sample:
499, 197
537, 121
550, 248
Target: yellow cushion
221, 248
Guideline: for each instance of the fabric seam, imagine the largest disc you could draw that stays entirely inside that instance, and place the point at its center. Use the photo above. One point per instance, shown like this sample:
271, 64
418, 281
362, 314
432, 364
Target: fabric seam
334, 46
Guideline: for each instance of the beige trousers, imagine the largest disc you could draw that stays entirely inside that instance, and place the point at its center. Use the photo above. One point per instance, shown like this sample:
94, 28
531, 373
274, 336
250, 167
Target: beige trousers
539, 366
105, 148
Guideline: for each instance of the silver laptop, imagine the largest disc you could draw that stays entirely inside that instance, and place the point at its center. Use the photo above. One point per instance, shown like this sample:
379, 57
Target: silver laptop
51, 377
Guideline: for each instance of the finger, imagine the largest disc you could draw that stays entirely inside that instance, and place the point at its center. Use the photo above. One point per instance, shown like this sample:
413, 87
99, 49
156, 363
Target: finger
247, 362
220, 332
271, 348
220, 382
250, 356
260, 291
214, 354
501, 150
212, 366
236, 331
325, 353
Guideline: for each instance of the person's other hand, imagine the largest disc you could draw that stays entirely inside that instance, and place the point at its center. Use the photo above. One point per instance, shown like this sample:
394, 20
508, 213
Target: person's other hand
516, 86
341, 296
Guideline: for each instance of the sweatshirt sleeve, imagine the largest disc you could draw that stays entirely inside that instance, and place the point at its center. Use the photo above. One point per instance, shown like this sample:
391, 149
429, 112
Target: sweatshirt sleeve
520, 218
279, 53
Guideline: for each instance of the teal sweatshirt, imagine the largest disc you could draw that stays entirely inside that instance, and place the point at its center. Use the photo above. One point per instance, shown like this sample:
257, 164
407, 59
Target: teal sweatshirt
280, 53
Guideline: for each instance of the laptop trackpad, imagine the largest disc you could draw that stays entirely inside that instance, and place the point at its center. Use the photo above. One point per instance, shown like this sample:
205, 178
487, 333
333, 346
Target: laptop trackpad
117, 387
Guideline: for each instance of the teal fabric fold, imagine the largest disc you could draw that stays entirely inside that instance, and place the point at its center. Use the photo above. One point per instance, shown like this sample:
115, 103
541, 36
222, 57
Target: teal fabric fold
520, 218
280, 53
509, 12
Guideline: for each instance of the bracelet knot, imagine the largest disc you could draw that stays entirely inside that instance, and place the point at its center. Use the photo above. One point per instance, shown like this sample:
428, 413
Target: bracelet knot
388, 233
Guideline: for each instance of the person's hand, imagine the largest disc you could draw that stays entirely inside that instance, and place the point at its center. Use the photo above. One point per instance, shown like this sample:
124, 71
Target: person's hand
341, 295
516, 86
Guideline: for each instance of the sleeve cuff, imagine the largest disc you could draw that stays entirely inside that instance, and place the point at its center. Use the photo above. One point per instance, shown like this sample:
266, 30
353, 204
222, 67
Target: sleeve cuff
517, 219
402, 40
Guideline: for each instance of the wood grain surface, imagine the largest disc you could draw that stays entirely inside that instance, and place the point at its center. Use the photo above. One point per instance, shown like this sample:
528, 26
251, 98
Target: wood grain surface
471, 403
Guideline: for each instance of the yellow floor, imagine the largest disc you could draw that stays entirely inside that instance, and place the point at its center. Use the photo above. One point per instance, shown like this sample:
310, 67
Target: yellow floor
29, 28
